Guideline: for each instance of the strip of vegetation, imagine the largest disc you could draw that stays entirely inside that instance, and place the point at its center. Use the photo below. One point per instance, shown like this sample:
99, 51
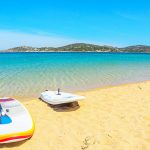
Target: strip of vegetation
81, 47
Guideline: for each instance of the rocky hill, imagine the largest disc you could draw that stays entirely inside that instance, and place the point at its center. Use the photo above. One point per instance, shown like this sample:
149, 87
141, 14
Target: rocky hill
83, 47
136, 48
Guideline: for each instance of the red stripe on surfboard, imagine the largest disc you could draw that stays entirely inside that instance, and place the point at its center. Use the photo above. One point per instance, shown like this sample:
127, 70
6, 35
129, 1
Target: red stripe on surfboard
6, 99
14, 138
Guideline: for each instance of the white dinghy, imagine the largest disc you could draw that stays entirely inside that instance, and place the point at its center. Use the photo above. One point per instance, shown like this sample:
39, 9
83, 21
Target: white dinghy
57, 97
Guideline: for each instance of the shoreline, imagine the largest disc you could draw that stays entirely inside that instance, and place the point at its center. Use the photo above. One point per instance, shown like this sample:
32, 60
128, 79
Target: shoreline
110, 118
113, 86
22, 99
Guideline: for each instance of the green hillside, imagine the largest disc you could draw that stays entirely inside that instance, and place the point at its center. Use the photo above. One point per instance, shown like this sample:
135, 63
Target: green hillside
83, 47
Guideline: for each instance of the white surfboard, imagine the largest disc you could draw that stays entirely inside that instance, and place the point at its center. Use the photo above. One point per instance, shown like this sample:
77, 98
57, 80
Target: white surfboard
16, 123
52, 97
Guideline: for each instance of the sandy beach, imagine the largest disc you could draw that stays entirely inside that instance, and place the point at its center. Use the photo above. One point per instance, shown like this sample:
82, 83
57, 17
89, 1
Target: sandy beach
112, 118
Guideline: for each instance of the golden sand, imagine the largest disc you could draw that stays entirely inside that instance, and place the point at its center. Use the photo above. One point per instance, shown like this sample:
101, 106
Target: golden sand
114, 118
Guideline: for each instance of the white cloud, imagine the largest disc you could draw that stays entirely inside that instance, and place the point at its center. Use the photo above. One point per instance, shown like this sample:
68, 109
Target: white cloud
10, 38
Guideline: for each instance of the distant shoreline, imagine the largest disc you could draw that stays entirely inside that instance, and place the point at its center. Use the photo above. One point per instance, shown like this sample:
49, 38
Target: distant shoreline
81, 47
73, 52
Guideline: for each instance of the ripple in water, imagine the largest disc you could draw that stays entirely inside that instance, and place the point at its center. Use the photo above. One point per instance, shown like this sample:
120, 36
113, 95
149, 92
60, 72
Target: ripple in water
28, 74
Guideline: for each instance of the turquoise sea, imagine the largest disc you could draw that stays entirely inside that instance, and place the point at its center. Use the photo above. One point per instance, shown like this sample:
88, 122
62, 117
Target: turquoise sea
28, 74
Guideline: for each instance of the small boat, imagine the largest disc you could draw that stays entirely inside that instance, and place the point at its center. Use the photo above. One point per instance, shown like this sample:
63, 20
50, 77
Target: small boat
57, 97
16, 123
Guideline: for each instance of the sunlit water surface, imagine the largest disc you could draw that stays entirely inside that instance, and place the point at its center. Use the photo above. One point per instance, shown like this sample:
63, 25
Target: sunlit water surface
28, 74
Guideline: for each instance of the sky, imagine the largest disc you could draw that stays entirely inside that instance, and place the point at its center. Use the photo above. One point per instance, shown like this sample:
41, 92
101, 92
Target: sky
55, 23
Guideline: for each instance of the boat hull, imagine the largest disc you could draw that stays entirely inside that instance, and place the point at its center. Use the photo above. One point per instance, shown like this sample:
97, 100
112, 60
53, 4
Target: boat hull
53, 98
21, 127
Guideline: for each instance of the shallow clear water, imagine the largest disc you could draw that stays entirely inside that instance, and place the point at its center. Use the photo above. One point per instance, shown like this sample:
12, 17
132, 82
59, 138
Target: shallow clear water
28, 74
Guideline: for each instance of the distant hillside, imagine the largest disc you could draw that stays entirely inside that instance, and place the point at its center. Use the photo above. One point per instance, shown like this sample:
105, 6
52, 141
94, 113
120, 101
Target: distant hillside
29, 49
86, 47
136, 48
83, 47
